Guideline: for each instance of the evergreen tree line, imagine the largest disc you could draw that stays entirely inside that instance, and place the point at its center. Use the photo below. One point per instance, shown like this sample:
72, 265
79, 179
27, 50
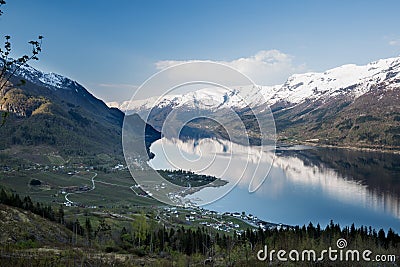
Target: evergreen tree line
145, 237
207, 242
45, 211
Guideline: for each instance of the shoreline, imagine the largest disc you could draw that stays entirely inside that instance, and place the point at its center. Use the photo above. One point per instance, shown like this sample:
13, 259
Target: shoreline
311, 145
395, 150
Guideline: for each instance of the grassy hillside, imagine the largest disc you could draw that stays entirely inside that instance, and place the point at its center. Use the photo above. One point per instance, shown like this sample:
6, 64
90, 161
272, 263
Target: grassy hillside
372, 120
64, 123
26, 230
46, 122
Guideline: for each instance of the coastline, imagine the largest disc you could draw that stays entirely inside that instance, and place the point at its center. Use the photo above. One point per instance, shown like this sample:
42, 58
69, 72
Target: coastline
389, 150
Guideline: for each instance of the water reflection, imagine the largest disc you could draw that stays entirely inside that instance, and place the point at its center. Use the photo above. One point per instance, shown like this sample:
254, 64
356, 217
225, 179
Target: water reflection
345, 185
333, 184
237, 164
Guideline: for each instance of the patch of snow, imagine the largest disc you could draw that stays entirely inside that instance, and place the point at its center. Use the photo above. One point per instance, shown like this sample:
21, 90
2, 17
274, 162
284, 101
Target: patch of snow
51, 80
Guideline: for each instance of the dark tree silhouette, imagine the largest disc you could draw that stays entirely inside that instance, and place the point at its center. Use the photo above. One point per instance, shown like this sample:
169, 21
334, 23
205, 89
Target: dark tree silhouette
2, 2
10, 66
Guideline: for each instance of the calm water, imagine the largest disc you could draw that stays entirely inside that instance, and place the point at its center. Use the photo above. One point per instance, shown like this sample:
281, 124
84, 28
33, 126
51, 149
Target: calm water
304, 184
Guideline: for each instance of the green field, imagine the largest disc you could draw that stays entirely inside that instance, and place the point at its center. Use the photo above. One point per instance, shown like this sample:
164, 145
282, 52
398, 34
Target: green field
111, 189
114, 198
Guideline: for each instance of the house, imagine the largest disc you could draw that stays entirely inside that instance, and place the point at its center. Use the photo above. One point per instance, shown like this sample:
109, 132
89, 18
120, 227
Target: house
189, 217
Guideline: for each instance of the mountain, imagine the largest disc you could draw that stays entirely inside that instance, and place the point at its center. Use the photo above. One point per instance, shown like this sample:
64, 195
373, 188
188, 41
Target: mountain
348, 105
51, 115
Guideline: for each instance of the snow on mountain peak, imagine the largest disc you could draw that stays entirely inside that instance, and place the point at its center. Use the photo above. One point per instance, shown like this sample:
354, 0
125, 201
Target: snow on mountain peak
350, 79
51, 80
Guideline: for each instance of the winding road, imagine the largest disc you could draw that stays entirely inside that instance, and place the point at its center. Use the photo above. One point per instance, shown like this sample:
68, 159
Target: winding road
80, 192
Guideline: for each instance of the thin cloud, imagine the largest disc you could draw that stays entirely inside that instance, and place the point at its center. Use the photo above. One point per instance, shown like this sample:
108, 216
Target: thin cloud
266, 67
118, 85
394, 42
115, 92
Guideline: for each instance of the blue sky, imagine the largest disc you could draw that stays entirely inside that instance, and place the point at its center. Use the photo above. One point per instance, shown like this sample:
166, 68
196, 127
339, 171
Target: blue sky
112, 46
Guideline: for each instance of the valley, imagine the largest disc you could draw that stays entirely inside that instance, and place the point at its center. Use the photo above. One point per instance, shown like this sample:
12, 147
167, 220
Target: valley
61, 147
199, 133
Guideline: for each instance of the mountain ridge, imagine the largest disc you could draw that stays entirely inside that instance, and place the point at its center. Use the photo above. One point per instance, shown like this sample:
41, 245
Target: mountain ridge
52, 114
341, 79
347, 105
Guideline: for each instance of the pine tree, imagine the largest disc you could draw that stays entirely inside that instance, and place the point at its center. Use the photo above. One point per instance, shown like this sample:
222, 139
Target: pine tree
61, 215
103, 231
89, 231
3, 196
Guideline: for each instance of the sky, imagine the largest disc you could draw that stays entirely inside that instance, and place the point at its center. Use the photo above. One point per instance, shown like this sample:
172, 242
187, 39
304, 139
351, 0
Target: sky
112, 47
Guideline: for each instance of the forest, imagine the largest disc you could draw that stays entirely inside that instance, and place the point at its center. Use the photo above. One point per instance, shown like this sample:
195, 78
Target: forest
146, 242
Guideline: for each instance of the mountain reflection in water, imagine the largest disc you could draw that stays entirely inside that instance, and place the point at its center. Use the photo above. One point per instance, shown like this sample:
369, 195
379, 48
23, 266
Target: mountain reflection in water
304, 184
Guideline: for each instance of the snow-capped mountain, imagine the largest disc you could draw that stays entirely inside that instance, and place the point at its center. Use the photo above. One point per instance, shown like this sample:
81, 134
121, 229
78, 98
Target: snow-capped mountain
347, 104
347, 79
53, 85
50, 80
351, 80
207, 98
52, 113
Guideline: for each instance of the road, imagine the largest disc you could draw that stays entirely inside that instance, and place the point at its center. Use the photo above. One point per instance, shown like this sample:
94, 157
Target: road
80, 192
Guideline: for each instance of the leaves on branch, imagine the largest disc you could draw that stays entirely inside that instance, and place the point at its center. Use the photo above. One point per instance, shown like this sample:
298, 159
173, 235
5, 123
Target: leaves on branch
10, 66
2, 2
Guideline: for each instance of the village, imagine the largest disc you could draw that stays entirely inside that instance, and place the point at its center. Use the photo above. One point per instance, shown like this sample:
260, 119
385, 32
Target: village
226, 222
189, 215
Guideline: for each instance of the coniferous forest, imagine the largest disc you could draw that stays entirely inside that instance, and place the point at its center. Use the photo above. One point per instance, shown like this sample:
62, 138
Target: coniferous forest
147, 243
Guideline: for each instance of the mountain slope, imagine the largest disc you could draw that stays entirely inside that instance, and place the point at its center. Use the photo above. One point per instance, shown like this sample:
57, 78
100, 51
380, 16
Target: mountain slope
51, 114
348, 105
371, 120
19, 225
